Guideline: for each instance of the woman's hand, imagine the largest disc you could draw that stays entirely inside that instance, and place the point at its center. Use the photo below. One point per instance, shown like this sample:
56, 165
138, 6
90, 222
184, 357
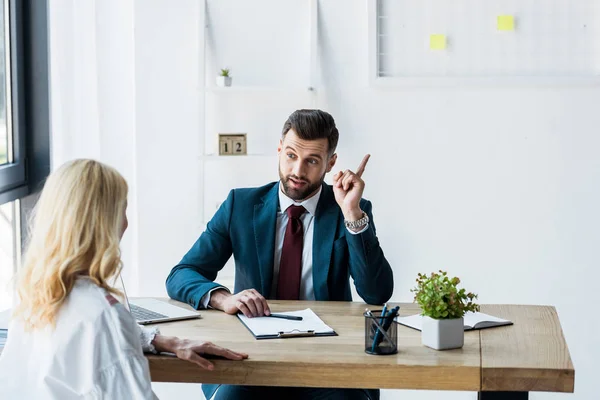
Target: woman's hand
195, 350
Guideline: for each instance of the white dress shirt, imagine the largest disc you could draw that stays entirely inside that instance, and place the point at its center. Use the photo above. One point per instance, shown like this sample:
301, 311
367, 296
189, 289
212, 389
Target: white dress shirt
308, 218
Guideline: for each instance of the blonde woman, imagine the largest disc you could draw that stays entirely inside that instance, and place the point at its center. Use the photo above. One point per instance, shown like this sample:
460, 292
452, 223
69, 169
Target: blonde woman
69, 337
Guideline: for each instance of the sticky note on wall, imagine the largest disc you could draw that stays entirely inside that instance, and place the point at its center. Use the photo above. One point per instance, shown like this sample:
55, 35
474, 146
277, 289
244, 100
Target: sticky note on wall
437, 42
506, 23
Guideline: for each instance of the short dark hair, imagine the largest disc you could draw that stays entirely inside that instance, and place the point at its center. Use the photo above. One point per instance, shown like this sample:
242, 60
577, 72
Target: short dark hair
313, 125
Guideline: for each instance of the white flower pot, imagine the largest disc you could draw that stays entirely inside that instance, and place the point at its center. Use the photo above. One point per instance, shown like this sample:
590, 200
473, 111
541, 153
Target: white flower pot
443, 334
223, 81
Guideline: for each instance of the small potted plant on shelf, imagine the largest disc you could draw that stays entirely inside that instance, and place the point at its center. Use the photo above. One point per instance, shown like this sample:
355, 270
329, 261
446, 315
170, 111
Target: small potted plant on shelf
443, 306
224, 79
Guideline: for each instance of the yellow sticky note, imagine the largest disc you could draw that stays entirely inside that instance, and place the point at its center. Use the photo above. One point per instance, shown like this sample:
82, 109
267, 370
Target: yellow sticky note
437, 42
506, 23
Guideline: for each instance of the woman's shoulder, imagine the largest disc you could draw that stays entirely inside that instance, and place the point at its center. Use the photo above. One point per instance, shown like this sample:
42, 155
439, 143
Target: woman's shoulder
90, 304
89, 300
94, 309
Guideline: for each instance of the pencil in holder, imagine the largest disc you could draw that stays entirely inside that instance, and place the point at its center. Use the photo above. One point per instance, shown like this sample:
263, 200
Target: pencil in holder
381, 334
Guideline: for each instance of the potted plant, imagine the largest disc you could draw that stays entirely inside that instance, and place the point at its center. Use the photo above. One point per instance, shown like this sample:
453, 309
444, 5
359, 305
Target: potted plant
443, 306
224, 79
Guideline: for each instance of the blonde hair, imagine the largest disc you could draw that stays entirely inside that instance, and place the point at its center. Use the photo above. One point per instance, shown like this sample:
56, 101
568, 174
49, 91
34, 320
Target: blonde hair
75, 231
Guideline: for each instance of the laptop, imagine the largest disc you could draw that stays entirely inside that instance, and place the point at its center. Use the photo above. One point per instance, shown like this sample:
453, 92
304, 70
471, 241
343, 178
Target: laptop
152, 311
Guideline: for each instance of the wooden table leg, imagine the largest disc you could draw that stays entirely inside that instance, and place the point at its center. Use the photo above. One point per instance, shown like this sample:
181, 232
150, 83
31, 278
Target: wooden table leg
503, 396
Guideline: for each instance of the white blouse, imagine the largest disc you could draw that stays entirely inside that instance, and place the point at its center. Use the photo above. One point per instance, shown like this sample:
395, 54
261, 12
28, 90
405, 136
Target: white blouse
94, 352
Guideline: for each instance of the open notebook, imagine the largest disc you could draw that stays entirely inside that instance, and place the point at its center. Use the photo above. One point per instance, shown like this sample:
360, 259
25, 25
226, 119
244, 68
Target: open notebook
472, 320
273, 328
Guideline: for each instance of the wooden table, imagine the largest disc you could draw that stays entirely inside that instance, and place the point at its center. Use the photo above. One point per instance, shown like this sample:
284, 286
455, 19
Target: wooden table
499, 363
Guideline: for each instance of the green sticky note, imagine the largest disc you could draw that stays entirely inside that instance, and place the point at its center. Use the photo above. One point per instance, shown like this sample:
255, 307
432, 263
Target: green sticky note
506, 23
437, 42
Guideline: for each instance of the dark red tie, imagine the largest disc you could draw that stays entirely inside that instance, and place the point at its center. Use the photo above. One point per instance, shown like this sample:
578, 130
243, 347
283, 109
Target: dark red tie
290, 266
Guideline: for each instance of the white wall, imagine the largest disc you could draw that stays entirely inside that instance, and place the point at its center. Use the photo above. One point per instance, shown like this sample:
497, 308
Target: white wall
168, 113
498, 185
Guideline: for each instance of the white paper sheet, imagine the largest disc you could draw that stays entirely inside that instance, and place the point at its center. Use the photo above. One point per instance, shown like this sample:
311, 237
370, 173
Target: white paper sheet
264, 326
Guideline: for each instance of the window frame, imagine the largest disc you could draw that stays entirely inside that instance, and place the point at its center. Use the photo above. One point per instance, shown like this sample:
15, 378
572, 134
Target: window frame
12, 174
29, 100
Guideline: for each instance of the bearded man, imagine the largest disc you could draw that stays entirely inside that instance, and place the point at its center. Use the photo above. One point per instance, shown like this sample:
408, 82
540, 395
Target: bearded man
295, 239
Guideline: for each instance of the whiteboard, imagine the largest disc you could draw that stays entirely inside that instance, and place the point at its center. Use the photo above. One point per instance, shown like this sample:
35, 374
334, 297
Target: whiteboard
550, 38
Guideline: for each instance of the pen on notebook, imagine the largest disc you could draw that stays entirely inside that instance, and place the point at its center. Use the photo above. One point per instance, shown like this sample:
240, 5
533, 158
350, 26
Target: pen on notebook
283, 316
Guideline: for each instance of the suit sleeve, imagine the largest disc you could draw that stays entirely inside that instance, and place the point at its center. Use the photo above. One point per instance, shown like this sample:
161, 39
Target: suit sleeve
369, 268
194, 276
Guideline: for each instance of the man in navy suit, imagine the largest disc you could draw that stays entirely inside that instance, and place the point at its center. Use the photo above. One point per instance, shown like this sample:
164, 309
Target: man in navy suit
297, 238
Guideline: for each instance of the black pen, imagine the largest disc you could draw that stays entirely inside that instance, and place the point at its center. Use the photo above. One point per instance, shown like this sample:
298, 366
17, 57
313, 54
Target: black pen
282, 316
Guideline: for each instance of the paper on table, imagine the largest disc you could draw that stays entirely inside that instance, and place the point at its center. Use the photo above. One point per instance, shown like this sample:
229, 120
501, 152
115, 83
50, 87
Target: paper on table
265, 326
472, 320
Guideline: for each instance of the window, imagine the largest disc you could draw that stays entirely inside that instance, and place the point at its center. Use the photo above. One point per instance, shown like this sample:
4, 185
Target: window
12, 144
8, 212
24, 126
5, 132
10, 251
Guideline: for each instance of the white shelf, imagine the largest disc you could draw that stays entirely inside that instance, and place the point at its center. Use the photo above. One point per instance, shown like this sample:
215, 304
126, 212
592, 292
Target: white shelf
503, 81
213, 156
254, 89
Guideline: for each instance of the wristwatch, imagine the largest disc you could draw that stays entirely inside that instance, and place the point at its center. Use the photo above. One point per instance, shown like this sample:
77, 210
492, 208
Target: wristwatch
359, 223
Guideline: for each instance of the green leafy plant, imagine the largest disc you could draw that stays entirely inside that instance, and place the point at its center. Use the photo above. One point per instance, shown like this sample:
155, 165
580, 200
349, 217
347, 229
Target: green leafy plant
224, 71
440, 298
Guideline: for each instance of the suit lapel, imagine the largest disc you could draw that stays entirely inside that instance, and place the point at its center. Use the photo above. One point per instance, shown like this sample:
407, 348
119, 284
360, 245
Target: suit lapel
265, 221
326, 219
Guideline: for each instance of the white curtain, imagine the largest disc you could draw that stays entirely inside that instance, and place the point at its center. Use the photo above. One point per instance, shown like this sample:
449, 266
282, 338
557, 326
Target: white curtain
92, 94
124, 79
